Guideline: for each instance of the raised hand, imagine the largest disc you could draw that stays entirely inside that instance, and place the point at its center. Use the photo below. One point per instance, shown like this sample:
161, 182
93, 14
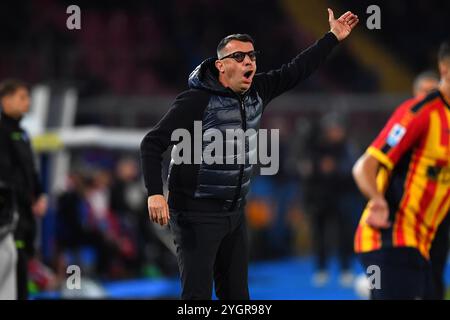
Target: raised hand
342, 26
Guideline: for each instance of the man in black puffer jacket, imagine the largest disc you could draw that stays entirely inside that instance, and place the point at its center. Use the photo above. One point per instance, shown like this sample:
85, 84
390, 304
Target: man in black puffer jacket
207, 199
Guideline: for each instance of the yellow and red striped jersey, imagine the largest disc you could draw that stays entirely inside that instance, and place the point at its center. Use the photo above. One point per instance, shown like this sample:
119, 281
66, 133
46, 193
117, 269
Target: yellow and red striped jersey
414, 150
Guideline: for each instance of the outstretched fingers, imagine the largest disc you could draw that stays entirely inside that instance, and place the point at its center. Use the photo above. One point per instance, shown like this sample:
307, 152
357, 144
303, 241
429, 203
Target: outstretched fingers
345, 16
353, 22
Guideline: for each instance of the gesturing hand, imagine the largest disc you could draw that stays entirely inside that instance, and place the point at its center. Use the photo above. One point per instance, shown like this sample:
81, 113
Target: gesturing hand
158, 210
342, 26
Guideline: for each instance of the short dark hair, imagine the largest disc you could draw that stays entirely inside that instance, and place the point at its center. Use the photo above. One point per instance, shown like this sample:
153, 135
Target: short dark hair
10, 86
237, 36
444, 51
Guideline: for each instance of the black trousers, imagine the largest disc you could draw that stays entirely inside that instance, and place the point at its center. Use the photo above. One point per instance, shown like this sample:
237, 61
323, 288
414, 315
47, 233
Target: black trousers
22, 274
438, 256
404, 274
211, 249
25, 234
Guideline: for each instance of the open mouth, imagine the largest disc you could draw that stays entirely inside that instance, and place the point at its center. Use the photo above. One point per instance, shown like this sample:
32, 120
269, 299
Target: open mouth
248, 74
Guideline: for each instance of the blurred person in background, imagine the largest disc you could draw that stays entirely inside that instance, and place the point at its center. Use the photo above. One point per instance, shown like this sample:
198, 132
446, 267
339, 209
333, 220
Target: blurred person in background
74, 235
327, 163
405, 176
126, 199
423, 84
70, 229
19, 172
105, 228
87, 225
207, 201
8, 252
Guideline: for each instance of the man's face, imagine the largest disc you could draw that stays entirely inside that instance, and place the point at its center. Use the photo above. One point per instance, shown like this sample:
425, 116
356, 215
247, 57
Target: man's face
237, 75
16, 104
335, 133
425, 86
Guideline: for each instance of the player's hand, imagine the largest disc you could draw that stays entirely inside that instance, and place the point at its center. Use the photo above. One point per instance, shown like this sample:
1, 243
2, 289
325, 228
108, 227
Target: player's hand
342, 26
40, 206
158, 210
378, 213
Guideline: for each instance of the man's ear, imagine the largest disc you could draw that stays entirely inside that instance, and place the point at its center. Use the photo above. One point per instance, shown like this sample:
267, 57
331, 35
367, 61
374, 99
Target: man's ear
220, 66
444, 67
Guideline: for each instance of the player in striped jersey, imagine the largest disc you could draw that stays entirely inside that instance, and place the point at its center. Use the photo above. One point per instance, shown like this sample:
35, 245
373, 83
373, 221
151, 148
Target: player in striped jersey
405, 174
423, 84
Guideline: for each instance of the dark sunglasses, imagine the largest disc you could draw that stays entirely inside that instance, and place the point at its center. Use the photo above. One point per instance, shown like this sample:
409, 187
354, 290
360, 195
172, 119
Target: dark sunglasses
239, 56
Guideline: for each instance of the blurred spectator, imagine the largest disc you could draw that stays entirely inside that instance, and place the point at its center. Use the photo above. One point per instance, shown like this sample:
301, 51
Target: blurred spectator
424, 83
325, 168
125, 194
69, 227
86, 222
128, 203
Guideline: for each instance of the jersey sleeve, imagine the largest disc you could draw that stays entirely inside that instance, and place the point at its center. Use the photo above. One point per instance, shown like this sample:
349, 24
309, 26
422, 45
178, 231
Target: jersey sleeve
403, 131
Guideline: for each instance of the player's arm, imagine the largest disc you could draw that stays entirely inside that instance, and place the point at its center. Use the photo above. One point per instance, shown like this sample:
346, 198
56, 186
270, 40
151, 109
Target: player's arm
365, 173
276, 82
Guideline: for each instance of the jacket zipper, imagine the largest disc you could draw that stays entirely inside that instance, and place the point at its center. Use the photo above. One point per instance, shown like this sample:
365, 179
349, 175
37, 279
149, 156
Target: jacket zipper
241, 168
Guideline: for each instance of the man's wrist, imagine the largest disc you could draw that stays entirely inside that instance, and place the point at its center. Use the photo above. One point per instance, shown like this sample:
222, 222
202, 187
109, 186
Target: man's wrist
377, 196
154, 192
334, 33
331, 38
